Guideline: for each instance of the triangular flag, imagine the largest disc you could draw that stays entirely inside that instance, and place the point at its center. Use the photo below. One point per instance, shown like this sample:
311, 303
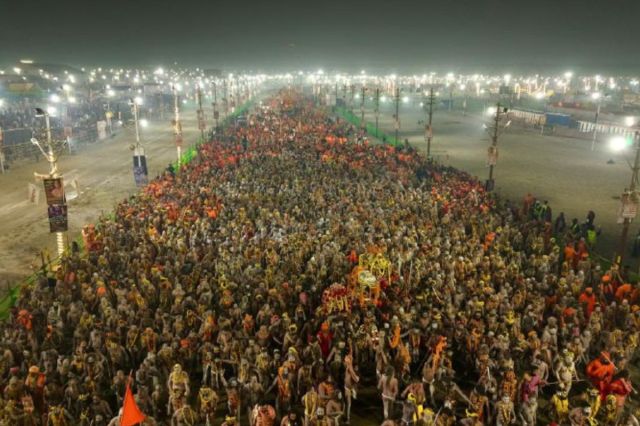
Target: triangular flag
131, 414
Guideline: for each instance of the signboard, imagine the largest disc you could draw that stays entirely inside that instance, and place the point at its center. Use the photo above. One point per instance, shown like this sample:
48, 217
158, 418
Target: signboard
54, 190
629, 206
57, 217
102, 129
140, 173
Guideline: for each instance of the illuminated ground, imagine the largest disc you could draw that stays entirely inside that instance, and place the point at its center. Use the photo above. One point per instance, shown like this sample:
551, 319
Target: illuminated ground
104, 174
563, 171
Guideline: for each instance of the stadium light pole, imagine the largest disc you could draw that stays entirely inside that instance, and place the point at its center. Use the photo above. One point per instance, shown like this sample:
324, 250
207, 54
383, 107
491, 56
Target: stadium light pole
397, 114
177, 125
215, 103
494, 132
377, 108
597, 96
629, 197
53, 166
428, 129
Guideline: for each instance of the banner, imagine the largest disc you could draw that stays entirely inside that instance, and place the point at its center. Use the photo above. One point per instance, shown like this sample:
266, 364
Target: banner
102, 129
140, 173
57, 217
54, 190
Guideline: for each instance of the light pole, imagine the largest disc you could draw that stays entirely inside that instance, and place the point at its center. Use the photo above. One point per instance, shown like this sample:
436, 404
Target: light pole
362, 124
428, 129
492, 153
215, 103
177, 127
140, 172
377, 108
200, 113
397, 115
597, 96
629, 197
53, 168
108, 113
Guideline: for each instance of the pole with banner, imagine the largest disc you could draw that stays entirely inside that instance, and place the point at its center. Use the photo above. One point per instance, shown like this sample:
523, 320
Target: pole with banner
140, 171
629, 201
53, 188
177, 126
1, 151
200, 113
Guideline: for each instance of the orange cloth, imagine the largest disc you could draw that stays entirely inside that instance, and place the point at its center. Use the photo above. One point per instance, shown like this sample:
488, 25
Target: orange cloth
131, 414
589, 300
624, 291
600, 373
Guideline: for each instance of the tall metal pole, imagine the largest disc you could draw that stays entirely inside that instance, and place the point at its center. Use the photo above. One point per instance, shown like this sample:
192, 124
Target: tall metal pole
632, 193
53, 172
428, 129
225, 100
135, 120
377, 108
595, 127
397, 117
353, 95
200, 114
494, 138
362, 124
215, 103
178, 125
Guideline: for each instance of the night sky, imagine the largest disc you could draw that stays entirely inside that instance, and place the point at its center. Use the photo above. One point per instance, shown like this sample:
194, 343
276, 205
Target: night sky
402, 36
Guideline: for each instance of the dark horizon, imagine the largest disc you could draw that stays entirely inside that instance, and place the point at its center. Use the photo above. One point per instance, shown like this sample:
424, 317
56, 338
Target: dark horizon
405, 36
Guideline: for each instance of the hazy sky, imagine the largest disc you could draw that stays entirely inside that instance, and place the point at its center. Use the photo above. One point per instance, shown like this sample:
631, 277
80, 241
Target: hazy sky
350, 35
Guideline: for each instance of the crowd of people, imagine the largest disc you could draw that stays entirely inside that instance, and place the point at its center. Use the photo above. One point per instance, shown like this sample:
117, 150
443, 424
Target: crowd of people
291, 275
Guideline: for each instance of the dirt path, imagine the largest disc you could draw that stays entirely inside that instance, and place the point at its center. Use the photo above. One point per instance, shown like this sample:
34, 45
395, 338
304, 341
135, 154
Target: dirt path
104, 175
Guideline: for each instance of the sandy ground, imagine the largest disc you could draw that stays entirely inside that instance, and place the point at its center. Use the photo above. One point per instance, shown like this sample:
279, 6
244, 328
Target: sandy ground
104, 174
564, 171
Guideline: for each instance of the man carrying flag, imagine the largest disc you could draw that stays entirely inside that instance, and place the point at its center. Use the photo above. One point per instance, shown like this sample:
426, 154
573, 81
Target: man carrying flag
129, 414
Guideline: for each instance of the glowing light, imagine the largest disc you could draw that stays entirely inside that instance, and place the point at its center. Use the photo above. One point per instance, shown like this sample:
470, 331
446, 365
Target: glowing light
72, 100
17, 70
66, 87
629, 121
144, 123
52, 110
111, 93
405, 99
138, 100
491, 110
539, 95
596, 95
54, 98
617, 143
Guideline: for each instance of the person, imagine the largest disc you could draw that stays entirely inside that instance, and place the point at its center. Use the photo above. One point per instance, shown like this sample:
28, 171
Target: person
328, 267
560, 225
388, 387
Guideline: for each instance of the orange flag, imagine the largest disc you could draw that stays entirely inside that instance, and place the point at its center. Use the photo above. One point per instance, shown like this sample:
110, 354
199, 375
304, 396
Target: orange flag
131, 414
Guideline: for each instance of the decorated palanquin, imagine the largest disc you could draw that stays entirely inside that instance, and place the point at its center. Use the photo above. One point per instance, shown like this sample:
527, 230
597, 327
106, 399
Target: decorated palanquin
365, 278
91, 239
335, 299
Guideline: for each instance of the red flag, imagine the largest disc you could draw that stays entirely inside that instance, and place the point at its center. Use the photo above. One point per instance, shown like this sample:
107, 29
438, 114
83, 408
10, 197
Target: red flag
131, 414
